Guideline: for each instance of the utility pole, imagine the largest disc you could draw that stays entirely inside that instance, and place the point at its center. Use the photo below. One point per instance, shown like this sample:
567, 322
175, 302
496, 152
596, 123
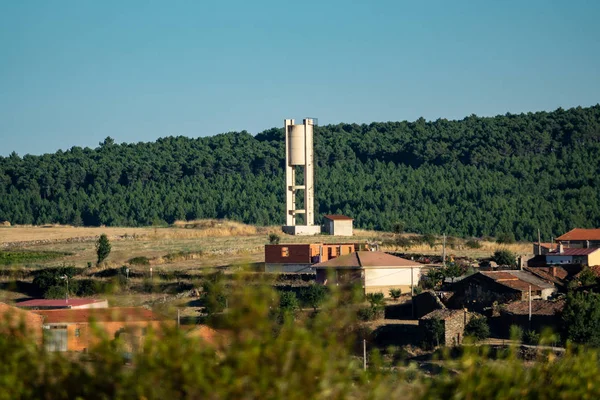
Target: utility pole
539, 243
412, 292
178, 319
364, 354
529, 306
66, 278
444, 252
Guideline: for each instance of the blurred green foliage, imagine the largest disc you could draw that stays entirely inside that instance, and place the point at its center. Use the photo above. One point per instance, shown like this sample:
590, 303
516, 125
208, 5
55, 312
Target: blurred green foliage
261, 357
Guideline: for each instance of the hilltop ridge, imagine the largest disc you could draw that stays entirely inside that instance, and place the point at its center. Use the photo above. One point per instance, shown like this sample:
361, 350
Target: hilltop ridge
472, 177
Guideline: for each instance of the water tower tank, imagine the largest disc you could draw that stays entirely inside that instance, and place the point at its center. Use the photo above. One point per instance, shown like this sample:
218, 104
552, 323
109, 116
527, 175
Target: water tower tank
297, 145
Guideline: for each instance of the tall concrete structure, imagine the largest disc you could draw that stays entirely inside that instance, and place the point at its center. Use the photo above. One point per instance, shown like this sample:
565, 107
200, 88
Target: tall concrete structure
299, 153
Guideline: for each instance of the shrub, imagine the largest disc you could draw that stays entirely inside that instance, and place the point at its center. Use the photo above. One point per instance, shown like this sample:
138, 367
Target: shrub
395, 293
375, 298
516, 333
55, 292
398, 227
370, 313
505, 238
214, 300
417, 290
102, 248
274, 238
473, 244
477, 328
402, 241
532, 337
139, 261
504, 257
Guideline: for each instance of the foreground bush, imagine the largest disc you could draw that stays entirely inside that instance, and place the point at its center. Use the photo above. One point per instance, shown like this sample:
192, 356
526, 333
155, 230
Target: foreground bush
262, 357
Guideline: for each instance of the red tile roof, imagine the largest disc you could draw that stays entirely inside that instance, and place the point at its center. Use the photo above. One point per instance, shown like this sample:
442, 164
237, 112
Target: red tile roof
125, 314
57, 303
518, 280
580, 234
367, 259
572, 252
500, 275
538, 307
338, 217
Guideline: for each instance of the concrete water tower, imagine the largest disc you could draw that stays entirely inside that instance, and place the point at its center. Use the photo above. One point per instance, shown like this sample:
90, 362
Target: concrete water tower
299, 153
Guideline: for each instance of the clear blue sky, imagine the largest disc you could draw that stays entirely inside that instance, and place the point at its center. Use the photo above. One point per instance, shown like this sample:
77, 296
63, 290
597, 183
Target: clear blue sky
74, 72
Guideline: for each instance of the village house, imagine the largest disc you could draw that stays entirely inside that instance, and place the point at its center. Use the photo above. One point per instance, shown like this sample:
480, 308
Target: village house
579, 238
426, 302
15, 321
57, 304
543, 248
374, 271
482, 290
544, 314
454, 322
580, 256
300, 258
338, 225
77, 330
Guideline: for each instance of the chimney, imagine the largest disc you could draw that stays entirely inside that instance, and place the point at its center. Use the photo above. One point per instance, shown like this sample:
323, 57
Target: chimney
553, 271
561, 248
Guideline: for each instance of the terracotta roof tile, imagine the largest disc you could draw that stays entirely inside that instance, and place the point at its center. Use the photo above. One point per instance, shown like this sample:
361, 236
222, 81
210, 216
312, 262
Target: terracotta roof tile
572, 252
580, 234
125, 314
538, 307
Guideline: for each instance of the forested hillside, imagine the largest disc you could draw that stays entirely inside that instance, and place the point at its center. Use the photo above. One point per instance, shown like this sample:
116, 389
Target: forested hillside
473, 177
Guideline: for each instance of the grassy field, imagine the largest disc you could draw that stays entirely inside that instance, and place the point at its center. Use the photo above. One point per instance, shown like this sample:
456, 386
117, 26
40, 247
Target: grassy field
191, 248
197, 244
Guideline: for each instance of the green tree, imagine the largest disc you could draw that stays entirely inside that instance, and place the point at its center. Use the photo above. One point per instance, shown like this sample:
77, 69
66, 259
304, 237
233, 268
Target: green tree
453, 271
314, 295
103, 248
288, 304
478, 328
504, 257
581, 318
433, 333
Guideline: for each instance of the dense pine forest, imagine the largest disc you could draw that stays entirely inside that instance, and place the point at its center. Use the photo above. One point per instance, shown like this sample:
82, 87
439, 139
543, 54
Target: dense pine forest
474, 177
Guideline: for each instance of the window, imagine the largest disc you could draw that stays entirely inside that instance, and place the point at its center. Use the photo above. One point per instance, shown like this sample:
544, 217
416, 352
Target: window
77, 332
285, 252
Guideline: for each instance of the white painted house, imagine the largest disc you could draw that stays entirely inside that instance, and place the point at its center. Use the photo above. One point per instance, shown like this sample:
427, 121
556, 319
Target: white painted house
374, 271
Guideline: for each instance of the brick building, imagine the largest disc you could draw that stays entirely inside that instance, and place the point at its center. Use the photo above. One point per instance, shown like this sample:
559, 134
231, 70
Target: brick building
301, 257
77, 330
